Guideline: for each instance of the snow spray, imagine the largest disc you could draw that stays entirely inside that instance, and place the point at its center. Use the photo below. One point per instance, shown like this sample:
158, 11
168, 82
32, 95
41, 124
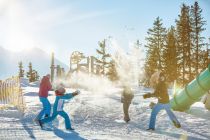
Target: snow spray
89, 82
128, 65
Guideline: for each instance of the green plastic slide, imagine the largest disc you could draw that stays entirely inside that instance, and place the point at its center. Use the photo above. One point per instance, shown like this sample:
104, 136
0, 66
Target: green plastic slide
192, 92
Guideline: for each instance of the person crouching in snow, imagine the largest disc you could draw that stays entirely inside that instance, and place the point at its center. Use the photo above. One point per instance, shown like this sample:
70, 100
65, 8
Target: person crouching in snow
58, 107
126, 98
163, 103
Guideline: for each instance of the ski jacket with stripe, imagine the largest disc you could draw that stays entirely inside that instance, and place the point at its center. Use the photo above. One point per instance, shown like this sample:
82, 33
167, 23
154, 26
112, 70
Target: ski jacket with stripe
60, 100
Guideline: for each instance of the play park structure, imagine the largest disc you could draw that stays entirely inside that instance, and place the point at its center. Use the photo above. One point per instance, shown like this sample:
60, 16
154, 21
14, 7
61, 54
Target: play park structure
192, 92
78, 62
60, 72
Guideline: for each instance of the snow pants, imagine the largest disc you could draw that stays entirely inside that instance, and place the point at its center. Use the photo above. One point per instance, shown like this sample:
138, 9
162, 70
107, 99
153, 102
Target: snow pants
156, 110
54, 115
125, 110
46, 108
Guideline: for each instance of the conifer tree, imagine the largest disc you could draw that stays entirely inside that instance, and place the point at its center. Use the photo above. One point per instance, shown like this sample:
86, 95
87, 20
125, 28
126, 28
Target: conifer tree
170, 56
185, 48
112, 71
197, 23
35, 76
30, 72
103, 59
155, 44
21, 71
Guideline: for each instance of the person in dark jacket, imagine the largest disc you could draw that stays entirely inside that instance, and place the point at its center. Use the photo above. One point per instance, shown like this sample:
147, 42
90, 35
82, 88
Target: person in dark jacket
126, 98
163, 103
44, 88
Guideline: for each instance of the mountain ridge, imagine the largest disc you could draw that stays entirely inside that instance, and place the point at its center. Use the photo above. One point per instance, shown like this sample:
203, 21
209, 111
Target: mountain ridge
39, 58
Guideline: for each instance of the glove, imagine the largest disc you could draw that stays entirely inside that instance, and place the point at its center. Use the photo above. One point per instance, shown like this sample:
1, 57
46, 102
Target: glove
152, 104
147, 95
76, 92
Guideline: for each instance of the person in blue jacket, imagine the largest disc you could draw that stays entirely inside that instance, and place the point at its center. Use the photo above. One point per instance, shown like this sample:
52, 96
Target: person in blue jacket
58, 107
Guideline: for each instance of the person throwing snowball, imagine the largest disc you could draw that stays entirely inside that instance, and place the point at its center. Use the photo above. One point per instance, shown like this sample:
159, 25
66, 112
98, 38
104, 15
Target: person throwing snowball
163, 103
58, 107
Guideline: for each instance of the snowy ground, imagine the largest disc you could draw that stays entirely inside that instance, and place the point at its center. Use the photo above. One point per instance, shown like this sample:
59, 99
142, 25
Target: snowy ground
97, 115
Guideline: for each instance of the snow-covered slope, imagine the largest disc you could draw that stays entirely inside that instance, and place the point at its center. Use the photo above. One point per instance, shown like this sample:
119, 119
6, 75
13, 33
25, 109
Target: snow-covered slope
99, 116
40, 61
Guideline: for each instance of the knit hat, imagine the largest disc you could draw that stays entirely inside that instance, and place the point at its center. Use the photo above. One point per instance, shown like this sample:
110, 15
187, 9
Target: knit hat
60, 90
161, 74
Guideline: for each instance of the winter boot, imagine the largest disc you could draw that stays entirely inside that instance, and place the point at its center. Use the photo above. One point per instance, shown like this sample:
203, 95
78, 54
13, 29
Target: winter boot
70, 129
126, 120
151, 129
40, 123
46, 116
177, 125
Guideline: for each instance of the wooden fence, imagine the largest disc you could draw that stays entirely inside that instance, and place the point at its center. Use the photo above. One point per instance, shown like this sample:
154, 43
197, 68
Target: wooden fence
11, 93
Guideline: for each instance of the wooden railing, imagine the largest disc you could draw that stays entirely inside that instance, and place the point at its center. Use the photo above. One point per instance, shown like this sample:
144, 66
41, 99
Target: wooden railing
11, 93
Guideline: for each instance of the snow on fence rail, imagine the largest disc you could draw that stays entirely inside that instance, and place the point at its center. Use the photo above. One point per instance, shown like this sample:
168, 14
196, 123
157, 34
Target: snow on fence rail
11, 93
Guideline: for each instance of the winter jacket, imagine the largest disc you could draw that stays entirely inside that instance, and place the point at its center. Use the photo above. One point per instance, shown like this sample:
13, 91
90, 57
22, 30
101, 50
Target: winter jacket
161, 93
44, 87
127, 96
60, 100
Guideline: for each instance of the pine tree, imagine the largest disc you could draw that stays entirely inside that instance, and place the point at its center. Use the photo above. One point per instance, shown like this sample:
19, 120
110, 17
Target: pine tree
35, 75
170, 56
197, 22
206, 56
21, 71
208, 53
155, 44
184, 33
112, 71
32, 74
103, 57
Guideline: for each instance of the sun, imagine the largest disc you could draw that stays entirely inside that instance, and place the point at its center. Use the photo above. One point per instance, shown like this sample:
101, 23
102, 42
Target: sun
17, 37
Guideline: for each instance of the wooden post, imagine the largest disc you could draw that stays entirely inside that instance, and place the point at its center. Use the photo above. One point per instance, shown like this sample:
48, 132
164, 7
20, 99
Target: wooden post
52, 67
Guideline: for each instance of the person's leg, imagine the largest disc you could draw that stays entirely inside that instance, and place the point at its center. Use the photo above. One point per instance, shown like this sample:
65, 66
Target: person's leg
125, 110
67, 120
49, 119
128, 111
154, 113
172, 116
44, 102
47, 108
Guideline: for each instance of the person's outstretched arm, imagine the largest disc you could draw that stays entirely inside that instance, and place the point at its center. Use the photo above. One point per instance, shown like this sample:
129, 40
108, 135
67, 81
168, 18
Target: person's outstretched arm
155, 94
70, 95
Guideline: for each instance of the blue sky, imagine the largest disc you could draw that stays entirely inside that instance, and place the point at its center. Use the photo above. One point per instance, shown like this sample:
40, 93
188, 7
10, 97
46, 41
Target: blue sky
65, 26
